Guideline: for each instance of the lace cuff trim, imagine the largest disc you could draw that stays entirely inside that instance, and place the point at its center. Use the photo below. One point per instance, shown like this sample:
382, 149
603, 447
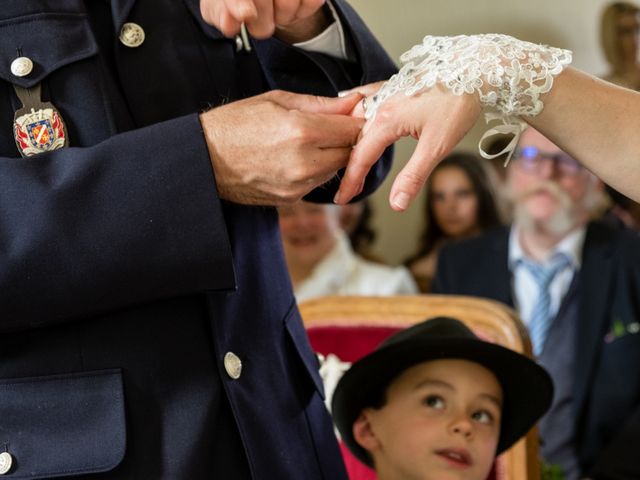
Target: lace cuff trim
508, 74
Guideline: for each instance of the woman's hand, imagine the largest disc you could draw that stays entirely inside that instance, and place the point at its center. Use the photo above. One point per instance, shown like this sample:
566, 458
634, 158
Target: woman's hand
437, 118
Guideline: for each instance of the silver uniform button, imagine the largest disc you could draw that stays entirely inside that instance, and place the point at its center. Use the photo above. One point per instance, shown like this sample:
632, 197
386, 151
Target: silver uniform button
233, 365
6, 460
132, 35
21, 66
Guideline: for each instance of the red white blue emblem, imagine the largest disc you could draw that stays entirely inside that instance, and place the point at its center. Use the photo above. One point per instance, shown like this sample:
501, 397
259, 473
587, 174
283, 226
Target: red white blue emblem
38, 126
39, 131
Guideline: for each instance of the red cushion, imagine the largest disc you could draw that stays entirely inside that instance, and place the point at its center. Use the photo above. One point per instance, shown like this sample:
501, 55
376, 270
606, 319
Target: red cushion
348, 343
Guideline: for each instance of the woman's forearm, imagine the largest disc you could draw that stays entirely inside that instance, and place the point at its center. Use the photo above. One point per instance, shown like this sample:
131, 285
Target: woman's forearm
597, 123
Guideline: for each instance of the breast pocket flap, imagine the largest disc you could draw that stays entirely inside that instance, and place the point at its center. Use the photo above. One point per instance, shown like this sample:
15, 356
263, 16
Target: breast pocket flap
47, 40
63, 425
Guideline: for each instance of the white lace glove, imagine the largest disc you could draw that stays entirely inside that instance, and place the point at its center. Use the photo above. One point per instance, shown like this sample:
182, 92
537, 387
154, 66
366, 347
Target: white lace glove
508, 74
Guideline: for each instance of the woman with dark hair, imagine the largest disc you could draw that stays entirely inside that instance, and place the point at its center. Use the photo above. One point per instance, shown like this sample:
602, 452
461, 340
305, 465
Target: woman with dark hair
460, 203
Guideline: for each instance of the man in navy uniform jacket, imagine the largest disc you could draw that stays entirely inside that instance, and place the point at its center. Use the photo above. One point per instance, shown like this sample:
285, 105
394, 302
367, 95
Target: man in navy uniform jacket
148, 329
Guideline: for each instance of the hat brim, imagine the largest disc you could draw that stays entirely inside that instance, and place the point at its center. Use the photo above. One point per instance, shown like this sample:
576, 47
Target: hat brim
527, 387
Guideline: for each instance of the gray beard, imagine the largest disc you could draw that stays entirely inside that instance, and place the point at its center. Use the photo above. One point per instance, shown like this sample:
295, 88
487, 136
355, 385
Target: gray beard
560, 223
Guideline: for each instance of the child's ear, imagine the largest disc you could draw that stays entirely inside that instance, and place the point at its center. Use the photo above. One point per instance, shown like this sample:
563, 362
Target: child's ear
364, 434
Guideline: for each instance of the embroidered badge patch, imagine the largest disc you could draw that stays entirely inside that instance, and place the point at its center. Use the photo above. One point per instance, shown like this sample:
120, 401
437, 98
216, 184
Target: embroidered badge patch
37, 127
39, 131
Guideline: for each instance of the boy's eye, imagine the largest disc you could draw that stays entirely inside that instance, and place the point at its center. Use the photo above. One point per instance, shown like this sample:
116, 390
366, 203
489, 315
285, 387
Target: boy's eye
434, 401
482, 416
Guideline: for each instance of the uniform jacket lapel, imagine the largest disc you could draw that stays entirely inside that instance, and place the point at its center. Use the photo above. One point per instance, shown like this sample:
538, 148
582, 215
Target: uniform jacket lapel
120, 10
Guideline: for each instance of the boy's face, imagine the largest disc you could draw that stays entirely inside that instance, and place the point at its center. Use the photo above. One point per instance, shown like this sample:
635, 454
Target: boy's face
441, 421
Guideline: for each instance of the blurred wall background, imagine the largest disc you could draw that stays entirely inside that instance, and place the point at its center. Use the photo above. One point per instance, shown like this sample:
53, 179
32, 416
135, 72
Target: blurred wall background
399, 24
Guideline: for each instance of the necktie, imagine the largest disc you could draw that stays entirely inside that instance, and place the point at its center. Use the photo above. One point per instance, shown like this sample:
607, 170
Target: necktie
540, 321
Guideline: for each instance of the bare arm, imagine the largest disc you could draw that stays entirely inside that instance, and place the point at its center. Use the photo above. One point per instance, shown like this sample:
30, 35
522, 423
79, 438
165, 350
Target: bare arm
597, 123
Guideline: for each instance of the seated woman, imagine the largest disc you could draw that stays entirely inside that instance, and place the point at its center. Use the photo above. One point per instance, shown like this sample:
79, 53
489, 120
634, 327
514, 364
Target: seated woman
321, 261
460, 203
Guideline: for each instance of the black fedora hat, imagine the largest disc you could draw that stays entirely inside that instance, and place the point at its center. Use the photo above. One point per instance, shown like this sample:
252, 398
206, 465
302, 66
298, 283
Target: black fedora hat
527, 387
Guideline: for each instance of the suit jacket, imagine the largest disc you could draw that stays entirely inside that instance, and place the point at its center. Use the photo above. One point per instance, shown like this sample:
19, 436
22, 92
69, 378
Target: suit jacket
147, 328
607, 386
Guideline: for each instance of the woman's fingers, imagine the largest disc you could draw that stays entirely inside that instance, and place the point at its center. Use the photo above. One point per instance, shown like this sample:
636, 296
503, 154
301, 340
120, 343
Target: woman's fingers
365, 154
412, 177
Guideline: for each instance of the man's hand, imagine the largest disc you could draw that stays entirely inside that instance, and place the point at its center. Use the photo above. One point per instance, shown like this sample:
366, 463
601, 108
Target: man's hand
292, 20
275, 148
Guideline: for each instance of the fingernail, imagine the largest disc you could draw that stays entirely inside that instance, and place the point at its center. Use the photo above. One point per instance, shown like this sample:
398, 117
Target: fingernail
336, 199
348, 93
401, 200
248, 10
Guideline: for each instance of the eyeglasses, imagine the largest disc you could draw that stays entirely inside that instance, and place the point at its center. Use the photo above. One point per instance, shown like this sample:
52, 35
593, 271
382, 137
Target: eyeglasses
530, 160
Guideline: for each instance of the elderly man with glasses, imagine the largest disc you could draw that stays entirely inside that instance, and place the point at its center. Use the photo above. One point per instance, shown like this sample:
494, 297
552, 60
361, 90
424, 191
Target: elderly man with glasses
576, 285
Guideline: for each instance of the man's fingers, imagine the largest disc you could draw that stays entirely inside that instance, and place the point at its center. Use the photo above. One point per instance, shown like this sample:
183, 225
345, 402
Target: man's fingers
315, 104
227, 16
243, 10
333, 159
306, 8
412, 177
336, 130
228, 25
286, 11
365, 90
263, 25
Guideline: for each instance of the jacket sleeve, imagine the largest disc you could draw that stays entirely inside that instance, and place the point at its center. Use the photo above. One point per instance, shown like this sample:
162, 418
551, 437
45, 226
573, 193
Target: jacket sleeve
136, 217
618, 460
131, 219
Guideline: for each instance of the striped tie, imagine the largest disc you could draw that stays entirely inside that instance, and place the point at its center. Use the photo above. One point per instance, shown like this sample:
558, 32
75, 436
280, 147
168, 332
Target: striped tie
540, 320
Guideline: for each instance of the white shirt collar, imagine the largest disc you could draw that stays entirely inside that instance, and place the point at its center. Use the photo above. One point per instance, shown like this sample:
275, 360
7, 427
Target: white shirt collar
571, 246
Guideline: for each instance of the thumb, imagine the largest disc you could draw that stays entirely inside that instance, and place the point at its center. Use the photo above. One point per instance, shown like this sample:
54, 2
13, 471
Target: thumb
317, 104
412, 177
364, 155
366, 90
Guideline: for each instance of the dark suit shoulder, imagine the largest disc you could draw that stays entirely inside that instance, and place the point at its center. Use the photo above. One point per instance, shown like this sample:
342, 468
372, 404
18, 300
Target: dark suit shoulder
477, 266
494, 241
616, 242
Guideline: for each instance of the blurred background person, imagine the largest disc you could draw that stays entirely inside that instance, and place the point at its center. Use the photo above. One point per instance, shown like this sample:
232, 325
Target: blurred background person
575, 284
355, 220
624, 212
620, 37
321, 261
460, 203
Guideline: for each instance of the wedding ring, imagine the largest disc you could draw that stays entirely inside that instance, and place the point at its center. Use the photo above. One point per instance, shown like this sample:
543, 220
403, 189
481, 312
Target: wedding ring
364, 103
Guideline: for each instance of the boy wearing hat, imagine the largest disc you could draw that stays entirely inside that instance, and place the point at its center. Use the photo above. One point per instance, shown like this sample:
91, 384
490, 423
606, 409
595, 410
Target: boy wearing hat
436, 402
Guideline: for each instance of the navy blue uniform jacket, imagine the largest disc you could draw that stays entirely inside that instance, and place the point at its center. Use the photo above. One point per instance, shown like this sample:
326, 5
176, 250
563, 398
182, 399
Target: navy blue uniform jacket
607, 364
124, 279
